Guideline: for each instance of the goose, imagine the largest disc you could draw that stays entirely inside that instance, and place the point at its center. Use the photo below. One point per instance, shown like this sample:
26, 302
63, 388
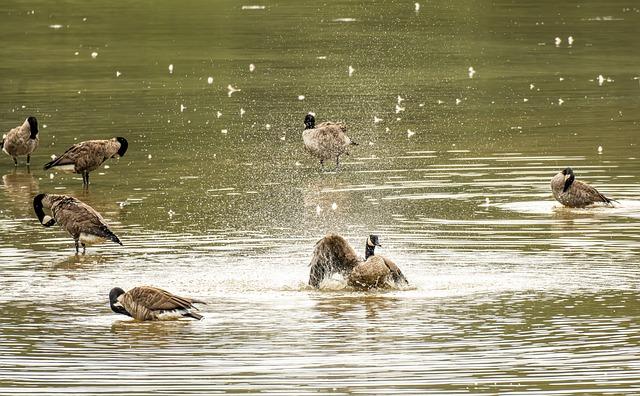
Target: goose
333, 254
21, 140
573, 193
325, 141
87, 156
151, 303
85, 225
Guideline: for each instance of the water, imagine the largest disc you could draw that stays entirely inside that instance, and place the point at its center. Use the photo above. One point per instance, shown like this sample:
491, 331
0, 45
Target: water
513, 295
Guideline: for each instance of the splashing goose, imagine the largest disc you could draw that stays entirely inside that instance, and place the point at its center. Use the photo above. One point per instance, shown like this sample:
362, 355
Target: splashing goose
325, 141
151, 303
87, 156
332, 254
80, 220
21, 140
573, 193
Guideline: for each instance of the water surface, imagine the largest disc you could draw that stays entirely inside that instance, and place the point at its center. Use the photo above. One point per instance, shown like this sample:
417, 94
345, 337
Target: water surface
216, 199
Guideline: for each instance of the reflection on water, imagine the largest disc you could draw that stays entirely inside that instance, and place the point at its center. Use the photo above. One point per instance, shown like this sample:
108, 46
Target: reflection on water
510, 293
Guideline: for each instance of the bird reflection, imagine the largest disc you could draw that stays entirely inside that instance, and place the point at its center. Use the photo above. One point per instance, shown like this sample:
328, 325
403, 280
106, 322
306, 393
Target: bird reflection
20, 187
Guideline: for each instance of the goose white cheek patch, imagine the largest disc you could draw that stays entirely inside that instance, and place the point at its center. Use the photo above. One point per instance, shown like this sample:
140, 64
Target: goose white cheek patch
46, 219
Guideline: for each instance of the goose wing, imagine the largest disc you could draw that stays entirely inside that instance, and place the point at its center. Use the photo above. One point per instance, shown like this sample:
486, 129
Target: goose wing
396, 274
156, 299
78, 217
331, 254
584, 192
334, 133
70, 156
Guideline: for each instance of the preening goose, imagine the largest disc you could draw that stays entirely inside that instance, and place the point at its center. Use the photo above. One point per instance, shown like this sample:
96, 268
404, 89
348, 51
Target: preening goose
325, 141
21, 140
151, 303
87, 156
332, 254
573, 193
80, 220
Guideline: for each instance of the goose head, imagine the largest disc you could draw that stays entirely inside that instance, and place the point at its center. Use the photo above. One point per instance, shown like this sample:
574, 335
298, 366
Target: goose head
45, 220
33, 127
372, 242
124, 145
310, 121
114, 303
569, 178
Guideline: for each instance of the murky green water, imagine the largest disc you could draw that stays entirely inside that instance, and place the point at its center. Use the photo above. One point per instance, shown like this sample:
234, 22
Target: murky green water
509, 295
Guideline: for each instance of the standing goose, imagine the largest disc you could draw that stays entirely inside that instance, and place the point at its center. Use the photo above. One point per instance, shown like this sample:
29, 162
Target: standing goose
333, 254
326, 141
79, 219
151, 303
21, 140
573, 193
85, 157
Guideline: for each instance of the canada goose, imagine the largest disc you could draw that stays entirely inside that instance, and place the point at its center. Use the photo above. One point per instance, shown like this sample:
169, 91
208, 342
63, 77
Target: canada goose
151, 303
333, 254
573, 193
326, 141
85, 157
21, 140
79, 219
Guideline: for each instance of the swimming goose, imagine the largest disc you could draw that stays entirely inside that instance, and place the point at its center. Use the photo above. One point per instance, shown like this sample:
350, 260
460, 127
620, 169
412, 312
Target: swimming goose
333, 254
325, 141
573, 193
87, 156
79, 219
151, 303
21, 140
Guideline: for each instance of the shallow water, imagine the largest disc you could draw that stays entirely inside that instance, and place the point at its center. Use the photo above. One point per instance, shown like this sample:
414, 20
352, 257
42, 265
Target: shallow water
509, 294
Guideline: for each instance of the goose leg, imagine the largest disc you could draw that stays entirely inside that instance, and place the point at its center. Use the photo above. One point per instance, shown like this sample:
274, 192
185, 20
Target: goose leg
84, 248
77, 247
15, 161
337, 163
85, 179
28, 159
322, 165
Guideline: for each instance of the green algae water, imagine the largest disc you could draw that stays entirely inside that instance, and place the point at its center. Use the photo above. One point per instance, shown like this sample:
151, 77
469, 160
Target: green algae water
463, 111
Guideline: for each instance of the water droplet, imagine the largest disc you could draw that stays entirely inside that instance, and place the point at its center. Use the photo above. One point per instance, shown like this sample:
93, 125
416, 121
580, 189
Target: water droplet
171, 68
94, 55
351, 70
300, 97
252, 67
334, 206
210, 80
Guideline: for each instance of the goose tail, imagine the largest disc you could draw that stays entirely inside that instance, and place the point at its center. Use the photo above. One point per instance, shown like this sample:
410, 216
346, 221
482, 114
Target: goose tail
51, 164
111, 236
193, 315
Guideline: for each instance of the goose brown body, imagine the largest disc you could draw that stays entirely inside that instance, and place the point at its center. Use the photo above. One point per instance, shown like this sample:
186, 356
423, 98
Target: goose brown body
152, 303
80, 220
21, 140
333, 254
573, 193
87, 156
327, 140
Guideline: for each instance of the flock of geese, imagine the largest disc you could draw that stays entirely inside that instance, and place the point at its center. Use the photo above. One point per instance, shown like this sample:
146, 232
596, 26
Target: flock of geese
331, 255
